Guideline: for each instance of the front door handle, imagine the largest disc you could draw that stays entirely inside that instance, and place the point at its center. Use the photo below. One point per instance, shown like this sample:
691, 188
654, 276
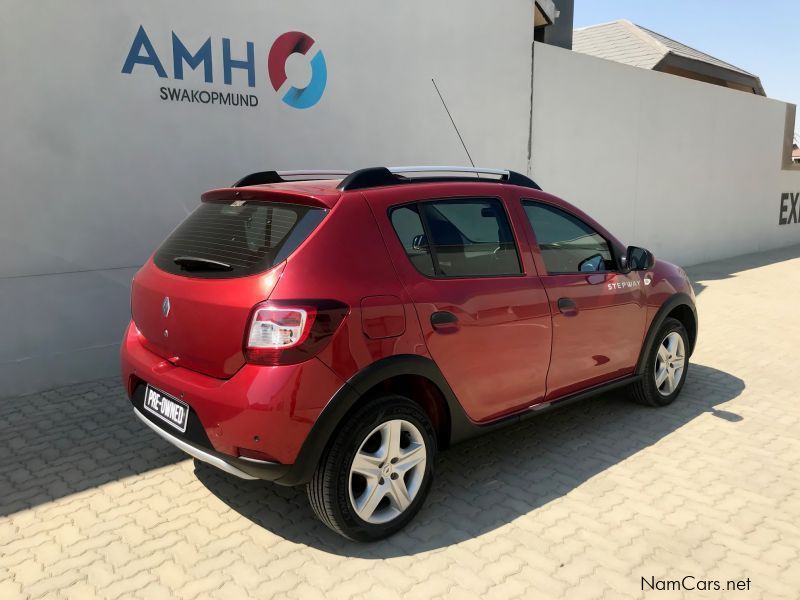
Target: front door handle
567, 307
443, 320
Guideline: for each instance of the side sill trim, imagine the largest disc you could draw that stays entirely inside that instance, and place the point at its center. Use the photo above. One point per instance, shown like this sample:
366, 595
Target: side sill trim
545, 407
193, 450
582, 395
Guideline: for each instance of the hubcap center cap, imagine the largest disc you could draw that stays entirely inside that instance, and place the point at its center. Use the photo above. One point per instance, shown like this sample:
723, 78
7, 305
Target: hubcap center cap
386, 470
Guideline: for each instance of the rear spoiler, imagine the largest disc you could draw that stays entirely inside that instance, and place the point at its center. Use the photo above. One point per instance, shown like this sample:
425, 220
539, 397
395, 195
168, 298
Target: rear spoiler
234, 194
267, 177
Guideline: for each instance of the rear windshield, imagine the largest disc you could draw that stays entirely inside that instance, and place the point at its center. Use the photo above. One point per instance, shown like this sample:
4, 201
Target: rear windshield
236, 238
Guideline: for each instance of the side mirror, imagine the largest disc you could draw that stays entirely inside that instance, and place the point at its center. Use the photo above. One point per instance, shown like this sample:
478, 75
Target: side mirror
419, 243
637, 259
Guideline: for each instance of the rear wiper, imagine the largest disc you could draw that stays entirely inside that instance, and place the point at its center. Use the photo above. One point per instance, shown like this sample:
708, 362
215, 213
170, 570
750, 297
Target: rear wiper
195, 263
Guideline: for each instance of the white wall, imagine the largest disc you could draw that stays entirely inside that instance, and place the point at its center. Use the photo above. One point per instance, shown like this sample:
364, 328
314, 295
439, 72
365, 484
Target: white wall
96, 169
689, 170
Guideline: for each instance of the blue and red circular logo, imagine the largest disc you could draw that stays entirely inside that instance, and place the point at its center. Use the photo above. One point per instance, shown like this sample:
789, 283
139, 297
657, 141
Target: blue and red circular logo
294, 42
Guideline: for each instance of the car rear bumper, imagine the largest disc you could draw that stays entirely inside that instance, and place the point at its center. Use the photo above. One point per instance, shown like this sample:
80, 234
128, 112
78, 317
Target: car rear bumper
197, 452
265, 409
237, 467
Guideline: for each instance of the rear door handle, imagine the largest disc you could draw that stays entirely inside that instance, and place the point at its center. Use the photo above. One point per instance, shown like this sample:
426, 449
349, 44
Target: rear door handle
567, 307
444, 319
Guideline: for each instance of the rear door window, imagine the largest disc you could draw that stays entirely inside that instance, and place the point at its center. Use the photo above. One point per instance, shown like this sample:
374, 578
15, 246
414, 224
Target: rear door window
460, 237
235, 239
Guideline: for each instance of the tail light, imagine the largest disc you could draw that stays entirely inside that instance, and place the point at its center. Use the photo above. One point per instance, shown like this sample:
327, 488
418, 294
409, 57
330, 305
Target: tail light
277, 328
284, 332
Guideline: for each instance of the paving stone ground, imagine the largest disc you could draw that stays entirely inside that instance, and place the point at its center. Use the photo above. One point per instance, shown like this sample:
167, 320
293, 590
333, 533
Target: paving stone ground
580, 503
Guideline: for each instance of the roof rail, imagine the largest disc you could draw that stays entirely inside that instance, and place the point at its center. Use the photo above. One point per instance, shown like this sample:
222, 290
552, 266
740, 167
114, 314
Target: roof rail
266, 177
385, 176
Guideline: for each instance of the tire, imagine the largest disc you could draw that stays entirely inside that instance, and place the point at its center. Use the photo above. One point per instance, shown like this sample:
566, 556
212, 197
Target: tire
648, 390
340, 484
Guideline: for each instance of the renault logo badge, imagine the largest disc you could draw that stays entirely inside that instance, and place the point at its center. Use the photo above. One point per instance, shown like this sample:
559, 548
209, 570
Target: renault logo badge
165, 306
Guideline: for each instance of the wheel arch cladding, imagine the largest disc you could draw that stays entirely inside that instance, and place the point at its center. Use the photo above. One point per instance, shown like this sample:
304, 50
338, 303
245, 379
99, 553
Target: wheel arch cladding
415, 377
678, 306
684, 314
420, 390
409, 375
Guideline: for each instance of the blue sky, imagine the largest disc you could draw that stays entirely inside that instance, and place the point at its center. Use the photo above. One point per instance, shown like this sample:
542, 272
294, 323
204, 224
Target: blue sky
760, 37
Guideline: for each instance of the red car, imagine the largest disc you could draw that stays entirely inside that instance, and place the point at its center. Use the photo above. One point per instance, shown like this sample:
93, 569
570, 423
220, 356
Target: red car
339, 332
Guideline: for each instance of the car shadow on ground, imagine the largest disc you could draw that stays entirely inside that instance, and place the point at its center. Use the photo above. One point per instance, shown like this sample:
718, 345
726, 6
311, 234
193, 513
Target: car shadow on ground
526, 465
71, 439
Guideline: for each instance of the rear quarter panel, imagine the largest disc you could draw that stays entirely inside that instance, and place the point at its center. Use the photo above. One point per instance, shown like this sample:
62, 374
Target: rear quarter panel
346, 260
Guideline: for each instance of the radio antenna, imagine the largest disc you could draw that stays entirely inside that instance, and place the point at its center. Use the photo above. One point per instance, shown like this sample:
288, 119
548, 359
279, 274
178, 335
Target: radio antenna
453, 122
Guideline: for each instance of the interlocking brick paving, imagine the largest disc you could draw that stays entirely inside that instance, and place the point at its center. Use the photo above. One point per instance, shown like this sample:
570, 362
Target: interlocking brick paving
582, 502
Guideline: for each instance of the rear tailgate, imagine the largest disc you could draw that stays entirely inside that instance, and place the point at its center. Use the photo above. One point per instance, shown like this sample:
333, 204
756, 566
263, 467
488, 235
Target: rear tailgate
197, 323
193, 299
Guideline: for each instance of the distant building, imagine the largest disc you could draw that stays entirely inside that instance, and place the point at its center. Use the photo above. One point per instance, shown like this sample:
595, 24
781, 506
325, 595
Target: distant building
553, 21
631, 44
795, 154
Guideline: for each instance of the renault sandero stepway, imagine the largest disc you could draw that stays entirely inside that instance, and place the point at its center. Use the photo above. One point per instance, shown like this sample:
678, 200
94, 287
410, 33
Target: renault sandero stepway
336, 330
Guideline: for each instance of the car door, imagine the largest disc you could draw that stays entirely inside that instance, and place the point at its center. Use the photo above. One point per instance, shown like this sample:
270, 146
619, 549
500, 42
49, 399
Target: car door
598, 312
483, 312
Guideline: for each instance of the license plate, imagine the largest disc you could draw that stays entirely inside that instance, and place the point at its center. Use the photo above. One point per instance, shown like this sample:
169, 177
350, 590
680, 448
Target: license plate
166, 408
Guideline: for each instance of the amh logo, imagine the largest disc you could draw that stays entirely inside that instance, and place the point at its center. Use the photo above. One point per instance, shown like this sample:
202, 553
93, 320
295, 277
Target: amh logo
289, 43
142, 52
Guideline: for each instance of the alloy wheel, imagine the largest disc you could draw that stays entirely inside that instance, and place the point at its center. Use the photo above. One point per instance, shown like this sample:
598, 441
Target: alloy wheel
670, 363
387, 471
